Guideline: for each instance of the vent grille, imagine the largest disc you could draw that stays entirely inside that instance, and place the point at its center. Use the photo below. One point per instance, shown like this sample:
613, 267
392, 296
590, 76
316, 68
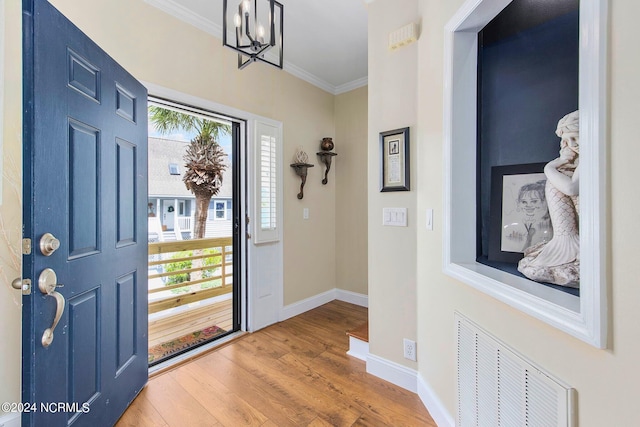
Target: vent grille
498, 387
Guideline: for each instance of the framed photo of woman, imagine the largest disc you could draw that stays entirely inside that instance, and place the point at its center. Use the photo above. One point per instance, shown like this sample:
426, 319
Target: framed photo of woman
519, 212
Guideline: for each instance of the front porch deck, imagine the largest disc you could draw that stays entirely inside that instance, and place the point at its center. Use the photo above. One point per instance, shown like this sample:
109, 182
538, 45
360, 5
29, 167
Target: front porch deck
169, 327
190, 288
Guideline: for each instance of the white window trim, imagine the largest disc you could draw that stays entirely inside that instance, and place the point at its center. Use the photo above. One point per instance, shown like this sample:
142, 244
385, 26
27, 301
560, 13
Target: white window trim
584, 317
177, 169
215, 210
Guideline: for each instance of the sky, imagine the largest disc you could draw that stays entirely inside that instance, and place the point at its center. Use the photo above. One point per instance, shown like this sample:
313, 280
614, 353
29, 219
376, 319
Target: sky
182, 135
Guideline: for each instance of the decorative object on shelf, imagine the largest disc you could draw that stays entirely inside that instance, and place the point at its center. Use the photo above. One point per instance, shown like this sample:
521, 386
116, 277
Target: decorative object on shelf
394, 160
253, 41
326, 144
558, 260
300, 165
519, 214
325, 156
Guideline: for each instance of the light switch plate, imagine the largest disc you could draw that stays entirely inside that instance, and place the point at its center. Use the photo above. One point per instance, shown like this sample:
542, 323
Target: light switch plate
395, 217
430, 219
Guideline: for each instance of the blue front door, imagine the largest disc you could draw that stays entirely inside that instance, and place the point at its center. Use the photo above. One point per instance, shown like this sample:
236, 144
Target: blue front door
85, 190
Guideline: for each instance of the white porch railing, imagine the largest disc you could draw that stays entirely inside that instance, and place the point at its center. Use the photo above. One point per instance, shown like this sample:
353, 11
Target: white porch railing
184, 223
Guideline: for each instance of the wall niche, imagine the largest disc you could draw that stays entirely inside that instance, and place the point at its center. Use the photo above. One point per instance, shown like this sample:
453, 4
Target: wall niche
527, 80
513, 69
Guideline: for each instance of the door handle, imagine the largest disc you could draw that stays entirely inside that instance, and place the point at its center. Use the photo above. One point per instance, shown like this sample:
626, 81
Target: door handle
23, 285
47, 283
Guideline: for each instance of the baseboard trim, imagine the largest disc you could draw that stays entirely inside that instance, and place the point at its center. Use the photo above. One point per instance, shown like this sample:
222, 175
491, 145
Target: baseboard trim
10, 420
395, 373
315, 301
307, 304
434, 405
352, 297
411, 380
358, 348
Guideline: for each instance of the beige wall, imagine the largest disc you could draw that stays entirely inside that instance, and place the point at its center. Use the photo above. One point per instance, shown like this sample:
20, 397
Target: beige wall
604, 379
392, 250
351, 190
159, 49
10, 210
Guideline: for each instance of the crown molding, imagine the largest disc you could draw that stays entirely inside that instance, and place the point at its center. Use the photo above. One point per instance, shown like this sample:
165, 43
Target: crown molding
178, 11
308, 77
346, 87
186, 15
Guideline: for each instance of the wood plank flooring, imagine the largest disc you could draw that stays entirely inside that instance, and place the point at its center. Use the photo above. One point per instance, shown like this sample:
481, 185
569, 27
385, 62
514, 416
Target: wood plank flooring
295, 373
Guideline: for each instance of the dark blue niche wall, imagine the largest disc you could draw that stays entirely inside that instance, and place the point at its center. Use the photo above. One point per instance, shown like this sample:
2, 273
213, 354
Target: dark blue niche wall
527, 81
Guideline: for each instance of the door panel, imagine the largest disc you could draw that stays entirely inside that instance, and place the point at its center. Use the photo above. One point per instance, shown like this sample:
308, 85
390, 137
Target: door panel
126, 192
266, 277
84, 163
85, 168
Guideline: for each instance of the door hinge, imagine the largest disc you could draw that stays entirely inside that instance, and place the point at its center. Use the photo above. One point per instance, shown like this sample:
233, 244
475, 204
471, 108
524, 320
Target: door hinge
26, 246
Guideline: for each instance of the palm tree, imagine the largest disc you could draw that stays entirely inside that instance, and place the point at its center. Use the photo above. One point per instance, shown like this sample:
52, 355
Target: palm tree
204, 158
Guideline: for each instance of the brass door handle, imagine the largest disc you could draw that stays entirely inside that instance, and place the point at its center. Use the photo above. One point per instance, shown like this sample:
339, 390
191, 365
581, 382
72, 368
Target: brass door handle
47, 283
23, 285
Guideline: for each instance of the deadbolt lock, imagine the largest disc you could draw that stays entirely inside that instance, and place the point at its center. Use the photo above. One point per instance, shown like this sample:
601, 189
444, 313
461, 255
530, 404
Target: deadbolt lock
49, 244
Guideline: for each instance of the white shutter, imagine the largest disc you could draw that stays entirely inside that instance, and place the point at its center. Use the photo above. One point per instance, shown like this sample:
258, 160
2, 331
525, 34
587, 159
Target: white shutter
268, 154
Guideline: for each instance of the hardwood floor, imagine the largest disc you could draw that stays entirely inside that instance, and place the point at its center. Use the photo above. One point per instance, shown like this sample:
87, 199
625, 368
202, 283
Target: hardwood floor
294, 373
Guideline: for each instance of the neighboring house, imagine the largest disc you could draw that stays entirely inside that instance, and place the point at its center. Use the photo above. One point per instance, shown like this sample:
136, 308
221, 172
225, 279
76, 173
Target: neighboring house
171, 206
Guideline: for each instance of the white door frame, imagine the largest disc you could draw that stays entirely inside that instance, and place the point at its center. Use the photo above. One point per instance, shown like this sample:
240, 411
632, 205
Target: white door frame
255, 313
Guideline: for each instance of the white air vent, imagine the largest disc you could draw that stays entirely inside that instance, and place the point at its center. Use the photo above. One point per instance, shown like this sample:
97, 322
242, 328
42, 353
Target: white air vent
403, 36
497, 387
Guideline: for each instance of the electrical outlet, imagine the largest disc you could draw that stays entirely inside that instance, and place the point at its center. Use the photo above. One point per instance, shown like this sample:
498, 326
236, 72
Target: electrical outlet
409, 349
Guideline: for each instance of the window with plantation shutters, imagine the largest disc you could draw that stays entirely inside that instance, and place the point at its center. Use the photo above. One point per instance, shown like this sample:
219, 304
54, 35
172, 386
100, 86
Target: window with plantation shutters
267, 228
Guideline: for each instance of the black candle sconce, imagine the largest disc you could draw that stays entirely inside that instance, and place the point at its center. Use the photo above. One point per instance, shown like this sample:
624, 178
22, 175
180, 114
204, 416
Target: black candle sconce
300, 166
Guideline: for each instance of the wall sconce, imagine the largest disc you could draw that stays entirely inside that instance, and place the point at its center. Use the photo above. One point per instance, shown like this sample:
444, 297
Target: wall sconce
325, 156
300, 166
253, 39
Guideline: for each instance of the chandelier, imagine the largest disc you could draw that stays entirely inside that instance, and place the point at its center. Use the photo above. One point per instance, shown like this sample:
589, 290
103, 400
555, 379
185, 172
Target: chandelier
258, 31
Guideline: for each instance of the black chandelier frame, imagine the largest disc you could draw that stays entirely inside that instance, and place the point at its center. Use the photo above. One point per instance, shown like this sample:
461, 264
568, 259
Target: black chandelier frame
256, 49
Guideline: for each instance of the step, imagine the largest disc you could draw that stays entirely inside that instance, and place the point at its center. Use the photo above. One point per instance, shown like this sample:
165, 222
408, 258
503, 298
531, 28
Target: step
359, 342
361, 332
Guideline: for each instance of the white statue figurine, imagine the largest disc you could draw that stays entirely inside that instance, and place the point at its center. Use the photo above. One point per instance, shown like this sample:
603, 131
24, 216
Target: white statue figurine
558, 260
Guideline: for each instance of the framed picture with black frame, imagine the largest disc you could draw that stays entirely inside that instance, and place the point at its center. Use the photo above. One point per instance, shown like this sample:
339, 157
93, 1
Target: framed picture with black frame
394, 160
519, 215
